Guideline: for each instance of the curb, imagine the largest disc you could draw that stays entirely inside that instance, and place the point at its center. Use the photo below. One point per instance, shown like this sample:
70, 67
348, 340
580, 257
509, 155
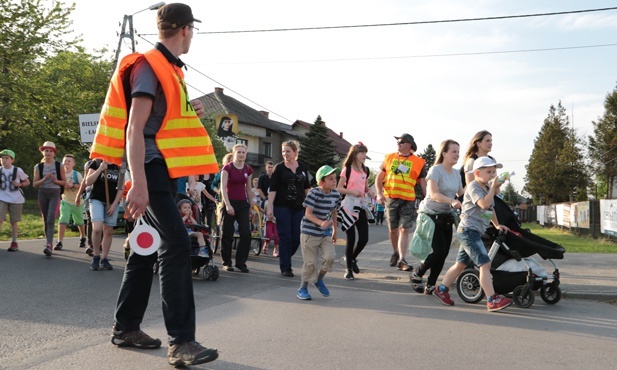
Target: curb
596, 296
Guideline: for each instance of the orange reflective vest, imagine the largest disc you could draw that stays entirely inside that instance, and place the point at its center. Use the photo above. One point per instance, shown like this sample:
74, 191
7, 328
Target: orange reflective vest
401, 176
182, 139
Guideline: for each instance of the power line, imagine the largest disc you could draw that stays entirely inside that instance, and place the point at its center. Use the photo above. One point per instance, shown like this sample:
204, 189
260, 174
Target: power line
223, 85
411, 23
424, 55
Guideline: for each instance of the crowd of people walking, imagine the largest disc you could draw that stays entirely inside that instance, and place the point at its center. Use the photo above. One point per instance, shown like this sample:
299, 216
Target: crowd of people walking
295, 214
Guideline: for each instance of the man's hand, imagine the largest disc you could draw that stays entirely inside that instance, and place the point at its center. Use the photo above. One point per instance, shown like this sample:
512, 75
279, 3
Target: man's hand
137, 201
381, 199
199, 108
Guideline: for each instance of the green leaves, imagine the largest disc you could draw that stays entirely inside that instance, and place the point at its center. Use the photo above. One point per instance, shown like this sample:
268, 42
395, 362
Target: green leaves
556, 171
316, 148
46, 80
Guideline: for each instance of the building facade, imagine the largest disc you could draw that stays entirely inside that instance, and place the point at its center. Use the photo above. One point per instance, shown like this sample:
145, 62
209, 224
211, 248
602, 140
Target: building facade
262, 135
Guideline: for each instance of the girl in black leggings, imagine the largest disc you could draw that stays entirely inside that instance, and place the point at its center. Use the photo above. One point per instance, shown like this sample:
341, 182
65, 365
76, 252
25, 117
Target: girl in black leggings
354, 187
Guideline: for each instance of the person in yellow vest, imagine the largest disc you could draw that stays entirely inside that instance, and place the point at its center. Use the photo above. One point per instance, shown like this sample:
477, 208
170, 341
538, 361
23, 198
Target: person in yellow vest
165, 140
395, 183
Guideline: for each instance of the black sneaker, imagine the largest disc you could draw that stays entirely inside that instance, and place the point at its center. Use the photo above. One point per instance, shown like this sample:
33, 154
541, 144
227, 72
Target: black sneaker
429, 289
416, 283
190, 353
105, 265
82, 243
243, 269
228, 268
404, 266
136, 338
354, 267
288, 273
58, 246
349, 274
394, 259
96, 262
89, 252
47, 251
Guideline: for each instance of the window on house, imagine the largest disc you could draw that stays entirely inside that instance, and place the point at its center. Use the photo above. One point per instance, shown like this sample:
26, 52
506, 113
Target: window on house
268, 133
268, 150
242, 141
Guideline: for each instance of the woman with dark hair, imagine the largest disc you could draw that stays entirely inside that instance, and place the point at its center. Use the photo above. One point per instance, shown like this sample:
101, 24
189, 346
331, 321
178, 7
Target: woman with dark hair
443, 184
289, 185
353, 184
480, 145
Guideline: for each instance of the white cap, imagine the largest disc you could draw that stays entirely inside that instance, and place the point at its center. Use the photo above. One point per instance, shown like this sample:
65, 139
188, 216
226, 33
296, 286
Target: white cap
484, 162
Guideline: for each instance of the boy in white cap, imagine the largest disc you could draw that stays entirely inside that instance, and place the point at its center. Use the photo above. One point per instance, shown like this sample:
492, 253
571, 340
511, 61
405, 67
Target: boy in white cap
318, 231
477, 214
12, 179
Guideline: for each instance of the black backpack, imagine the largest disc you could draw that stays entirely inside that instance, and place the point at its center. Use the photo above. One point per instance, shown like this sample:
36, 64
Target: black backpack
58, 171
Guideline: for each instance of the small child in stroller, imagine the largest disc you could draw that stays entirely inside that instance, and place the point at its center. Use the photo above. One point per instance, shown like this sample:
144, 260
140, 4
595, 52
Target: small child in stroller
186, 211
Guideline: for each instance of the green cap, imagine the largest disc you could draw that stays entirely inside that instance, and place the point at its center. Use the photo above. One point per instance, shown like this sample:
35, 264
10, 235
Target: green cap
324, 171
8, 152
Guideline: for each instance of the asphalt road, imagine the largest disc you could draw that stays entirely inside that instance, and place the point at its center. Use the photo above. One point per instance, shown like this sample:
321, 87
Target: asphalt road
57, 314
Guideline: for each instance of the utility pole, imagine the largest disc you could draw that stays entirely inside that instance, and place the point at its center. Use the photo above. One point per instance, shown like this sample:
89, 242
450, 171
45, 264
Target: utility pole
128, 31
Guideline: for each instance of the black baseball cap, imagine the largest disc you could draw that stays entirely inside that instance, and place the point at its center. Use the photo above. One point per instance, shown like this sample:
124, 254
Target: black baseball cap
175, 15
408, 138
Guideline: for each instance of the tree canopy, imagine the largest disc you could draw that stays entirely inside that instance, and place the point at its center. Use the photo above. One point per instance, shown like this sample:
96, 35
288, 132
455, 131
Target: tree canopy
556, 171
46, 80
316, 148
603, 146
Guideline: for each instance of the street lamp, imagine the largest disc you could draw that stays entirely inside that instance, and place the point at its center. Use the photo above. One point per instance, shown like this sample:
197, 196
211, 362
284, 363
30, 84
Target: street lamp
128, 31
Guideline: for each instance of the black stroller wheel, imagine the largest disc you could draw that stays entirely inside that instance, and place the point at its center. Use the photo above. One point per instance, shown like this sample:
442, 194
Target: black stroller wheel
207, 272
216, 238
215, 273
550, 294
468, 286
257, 246
523, 297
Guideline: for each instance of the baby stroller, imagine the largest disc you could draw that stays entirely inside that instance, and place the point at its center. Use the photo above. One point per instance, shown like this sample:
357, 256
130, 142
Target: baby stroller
514, 272
258, 230
210, 270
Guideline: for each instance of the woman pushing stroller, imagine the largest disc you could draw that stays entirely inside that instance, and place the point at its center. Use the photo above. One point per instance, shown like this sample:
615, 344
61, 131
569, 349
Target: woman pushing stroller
477, 214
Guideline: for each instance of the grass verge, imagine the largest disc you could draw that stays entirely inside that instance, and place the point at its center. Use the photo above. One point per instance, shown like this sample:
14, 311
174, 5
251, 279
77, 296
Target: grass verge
573, 243
31, 225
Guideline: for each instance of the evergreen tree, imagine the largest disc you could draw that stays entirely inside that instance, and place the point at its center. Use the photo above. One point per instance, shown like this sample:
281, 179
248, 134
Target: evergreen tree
510, 196
603, 147
556, 172
316, 148
429, 156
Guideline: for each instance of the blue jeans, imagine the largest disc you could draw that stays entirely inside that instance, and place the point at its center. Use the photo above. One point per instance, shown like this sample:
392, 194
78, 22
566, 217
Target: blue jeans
176, 282
472, 248
288, 227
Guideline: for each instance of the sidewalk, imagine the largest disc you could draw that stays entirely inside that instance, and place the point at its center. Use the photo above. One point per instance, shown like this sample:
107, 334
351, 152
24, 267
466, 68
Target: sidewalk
583, 275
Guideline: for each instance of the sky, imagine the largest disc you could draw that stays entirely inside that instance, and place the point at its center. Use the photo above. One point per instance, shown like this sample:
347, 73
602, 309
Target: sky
434, 81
